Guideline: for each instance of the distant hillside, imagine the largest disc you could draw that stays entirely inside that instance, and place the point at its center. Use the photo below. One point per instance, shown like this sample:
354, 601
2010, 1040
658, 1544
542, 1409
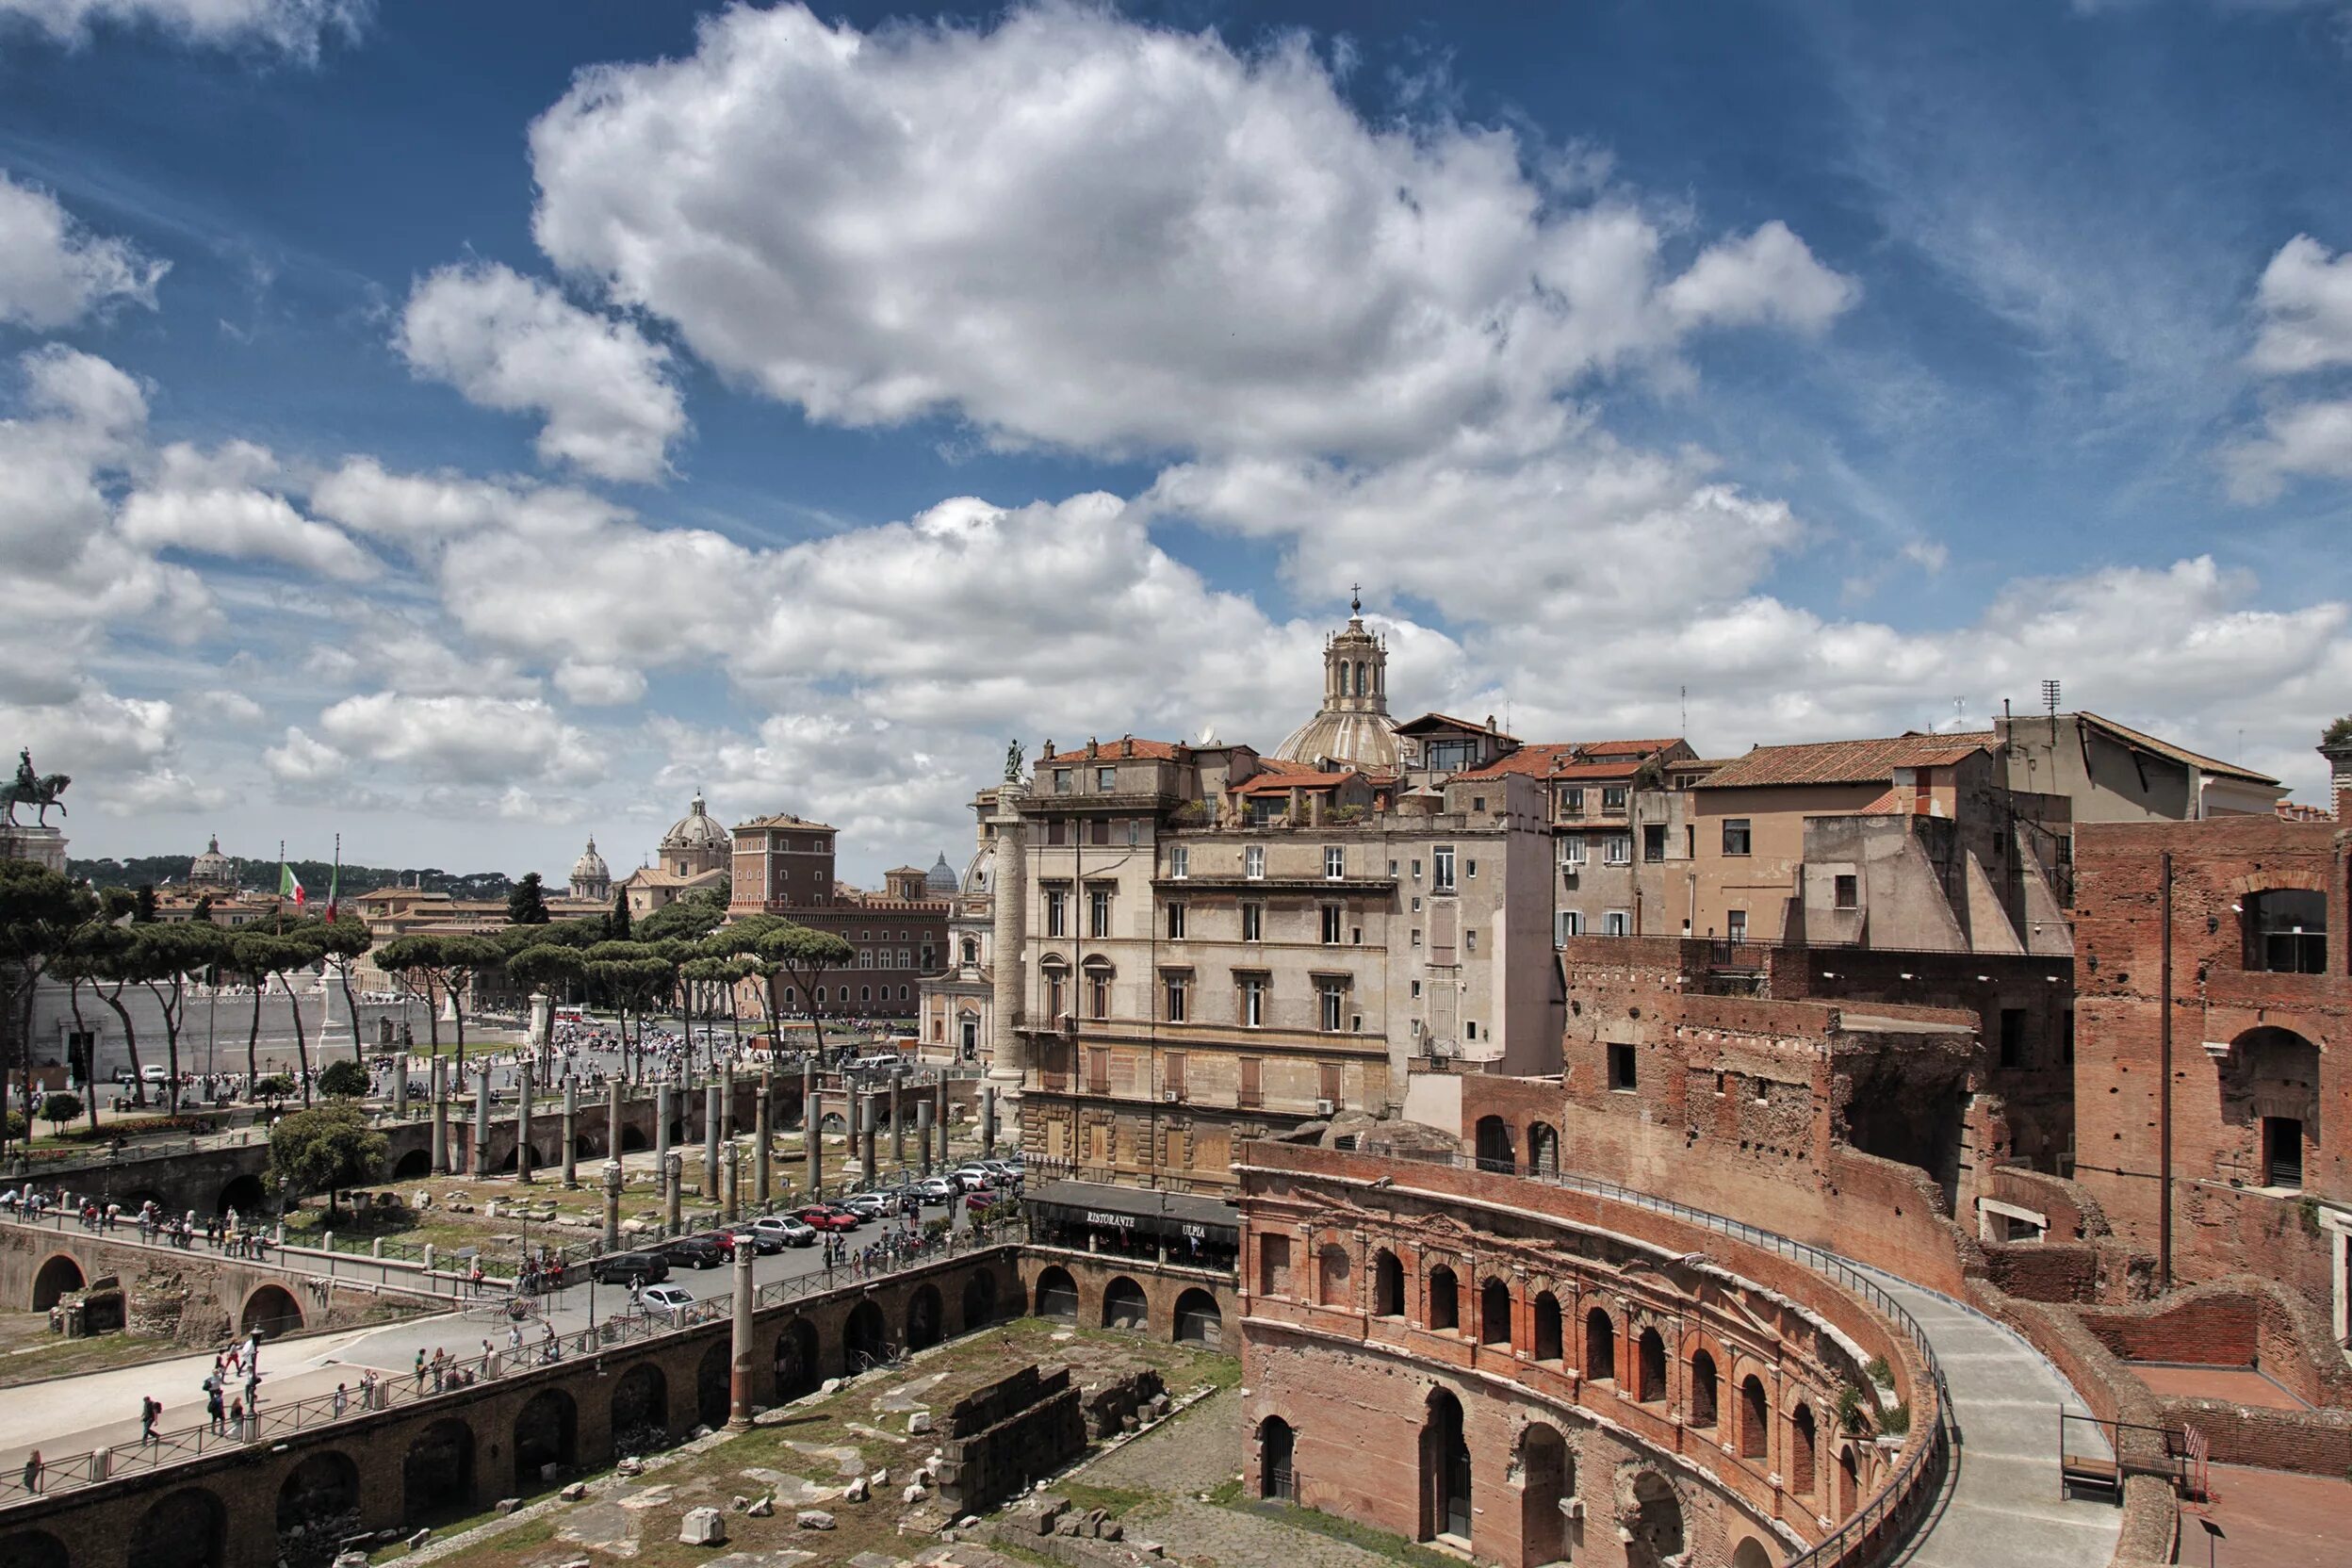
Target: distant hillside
262, 875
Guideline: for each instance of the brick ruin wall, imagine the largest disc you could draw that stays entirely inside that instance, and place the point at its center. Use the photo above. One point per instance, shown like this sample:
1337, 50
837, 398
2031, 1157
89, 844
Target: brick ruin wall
1002, 1438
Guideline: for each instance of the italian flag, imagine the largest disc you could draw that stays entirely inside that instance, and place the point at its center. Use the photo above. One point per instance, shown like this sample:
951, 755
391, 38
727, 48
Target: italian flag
290, 885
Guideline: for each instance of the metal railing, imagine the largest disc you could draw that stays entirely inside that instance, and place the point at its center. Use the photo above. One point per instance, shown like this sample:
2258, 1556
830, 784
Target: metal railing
274, 1254
1859, 1532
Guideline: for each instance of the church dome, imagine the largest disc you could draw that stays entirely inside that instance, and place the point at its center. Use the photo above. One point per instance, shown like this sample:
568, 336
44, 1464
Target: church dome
212, 867
696, 829
590, 867
1352, 728
940, 881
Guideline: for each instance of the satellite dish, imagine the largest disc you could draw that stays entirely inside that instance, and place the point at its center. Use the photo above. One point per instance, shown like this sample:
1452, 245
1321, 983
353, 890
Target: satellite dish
1208, 735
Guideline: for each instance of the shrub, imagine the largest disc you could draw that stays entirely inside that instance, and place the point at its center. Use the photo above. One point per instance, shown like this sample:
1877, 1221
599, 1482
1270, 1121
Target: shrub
1896, 1422
345, 1080
2337, 734
59, 1109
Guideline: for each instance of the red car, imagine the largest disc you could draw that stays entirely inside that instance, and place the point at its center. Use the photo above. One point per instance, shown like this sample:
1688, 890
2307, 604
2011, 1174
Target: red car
823, 1217
725, 1242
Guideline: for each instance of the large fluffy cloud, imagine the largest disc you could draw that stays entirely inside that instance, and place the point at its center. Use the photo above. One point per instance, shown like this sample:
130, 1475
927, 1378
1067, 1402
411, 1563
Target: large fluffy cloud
513, 343
294, 28
2303, 307
1071, 228
216, 504
459, 739
53, 271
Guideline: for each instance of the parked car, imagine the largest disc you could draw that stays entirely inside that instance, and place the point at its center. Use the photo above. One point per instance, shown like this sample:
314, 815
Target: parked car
874, 1205
154, 1074
936, 1189
724, 1241
667, 1301
692, 1253
979, 1202
790, 1231
974, 1177
762, 1242
619, 1268
825, 1216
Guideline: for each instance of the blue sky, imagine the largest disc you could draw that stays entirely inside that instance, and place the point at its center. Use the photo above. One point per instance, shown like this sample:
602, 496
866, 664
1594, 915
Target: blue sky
469, 428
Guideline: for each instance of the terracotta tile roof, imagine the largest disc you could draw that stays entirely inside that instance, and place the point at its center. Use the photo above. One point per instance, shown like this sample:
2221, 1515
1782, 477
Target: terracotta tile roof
1843, 762
1574, 759
2178, 754
2295, 811
1427, 721
1114, 751
1283, 783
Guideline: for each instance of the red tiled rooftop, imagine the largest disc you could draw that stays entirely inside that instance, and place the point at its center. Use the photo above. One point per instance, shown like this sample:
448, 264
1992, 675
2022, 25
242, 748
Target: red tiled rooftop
1573, 760
1872, 761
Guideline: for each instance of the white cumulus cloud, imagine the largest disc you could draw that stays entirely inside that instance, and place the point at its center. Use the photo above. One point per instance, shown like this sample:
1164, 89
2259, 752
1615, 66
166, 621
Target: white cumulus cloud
53, 273
214, 504
459, 739
294, 28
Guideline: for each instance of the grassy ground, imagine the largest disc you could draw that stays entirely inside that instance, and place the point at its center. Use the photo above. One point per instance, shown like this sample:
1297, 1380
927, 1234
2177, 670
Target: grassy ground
29, 1352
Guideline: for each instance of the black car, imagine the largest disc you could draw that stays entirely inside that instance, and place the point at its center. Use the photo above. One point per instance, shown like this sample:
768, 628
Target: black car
693, 1253
620, 1268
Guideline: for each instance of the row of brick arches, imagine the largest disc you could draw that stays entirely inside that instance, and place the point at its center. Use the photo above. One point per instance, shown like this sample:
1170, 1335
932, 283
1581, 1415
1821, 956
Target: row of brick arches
1124, 1303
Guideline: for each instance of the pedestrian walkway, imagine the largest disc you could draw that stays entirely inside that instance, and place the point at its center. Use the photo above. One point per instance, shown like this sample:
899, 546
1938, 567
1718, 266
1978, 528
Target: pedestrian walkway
1999, 1502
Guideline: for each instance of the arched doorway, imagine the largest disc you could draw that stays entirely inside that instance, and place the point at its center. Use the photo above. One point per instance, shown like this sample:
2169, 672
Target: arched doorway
1656, 1522
640, 1410
1803, 1440
1124, 1304
245, 1194
1703, 1393
1548, 1478
317, 1506
57, 1276
1330, 1276
1755, 1419
714, 1385
32, 1549
1388, 1286
1445, 1299
2270, 1088
1494, 1314
796, 1361
1649, 1357
1751, 1553
270, 1312
922, 1318
1494, 1145
415, 1165
979, 1300
437, 1474
1544, 1149
1548, 1328
1057, 1295
1600, 1345
1849, 1481
866, 1338
1277, 1460
186, 1529
1198, 1321
547, 1431
632, 1141
1444, 1471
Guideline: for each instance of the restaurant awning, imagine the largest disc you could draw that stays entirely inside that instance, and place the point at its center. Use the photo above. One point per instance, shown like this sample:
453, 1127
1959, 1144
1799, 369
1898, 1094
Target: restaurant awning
1138, 1211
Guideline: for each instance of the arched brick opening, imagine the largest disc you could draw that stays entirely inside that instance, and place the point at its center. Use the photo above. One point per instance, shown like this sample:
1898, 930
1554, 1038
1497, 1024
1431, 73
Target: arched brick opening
632, 1141
186, 1529
1446, 1480
714, 1385
923, 1317
270, 1312
245, 1194
1445, 1299
585, 1147
317, 1506
32, 1549
1057, 1295
1549, 1342
1755, 1419
1849, 1481
1804, 1445
1198, 1321
1548, 1478
1124, 1305
2269, 1086
437, 1474
1278, 1456
1495, 1146
1751, 1553
1544, 1149
1657, 1533
979, 1300
1494, 1314
797, 1359
1388, 1286
1600, 1345
1704, 1394
547, 1431
415, 1165
1649, 1366
1332, 1269
866, 1338
57, 1276
640, 1410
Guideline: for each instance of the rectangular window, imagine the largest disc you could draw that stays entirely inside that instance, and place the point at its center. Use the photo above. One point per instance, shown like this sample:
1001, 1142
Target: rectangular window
1735, 835
1273, 1265
1253, 1001
1134, 831
1571, 924
1061, 781
1417, 935
1056, 833
1098, 1069
1098, 911
1101, 834
2012, 1036
1614, 923
1056, 912
1175, 922
1105, 779
1327, 1081
1416, 990
1573, 851
1736, 924
1653, 844
1253, 923
1252, 1093
1330, 998
2282, 1151
1099, 992
1176, 999
1470, 938
1332, 918
1173, 1073
1053, 994
1613, 798
1620, 849
1179, 861
1470, 870
1442, 868
1335, 862
1622, 1070
1848, 892
1253, 863
1572, 801
1416, 870
1417, 904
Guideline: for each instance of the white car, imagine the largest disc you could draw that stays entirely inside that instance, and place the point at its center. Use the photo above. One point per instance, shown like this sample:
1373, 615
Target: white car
790, 1231
667, 1301
153, 1075
974, 1178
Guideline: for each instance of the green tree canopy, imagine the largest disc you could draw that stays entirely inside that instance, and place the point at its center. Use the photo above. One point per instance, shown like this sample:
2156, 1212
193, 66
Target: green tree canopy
40, 914
693, 917
344, 1080
616, 924
143, 904
547, 967
59, 1108
324, 1150
527, 903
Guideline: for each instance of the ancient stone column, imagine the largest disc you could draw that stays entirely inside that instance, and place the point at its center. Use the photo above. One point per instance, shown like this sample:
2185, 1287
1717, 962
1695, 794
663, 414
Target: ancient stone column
571, 1132
710, 1141
808, 1090
661, 1124
523, 1152
762, 1178
738, 1401
865, 1144
898, 1125
727, 1102
399, 1086
923, 1131
813, 1135
988, 1122
612, 1205
673, 1194
613, 1121
440, 1118
939, 1119
1009, 1050
481, 1123
734, 1181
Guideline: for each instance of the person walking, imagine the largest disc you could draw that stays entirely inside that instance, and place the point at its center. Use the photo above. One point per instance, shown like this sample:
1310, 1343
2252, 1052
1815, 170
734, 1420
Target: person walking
420, 1371
212, 1409
148, 1410
342, 1400
32, 1471
237, 1419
